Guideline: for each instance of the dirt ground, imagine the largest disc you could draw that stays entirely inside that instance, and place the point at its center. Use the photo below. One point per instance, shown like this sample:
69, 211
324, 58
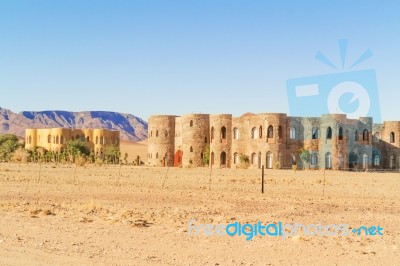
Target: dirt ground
107, 215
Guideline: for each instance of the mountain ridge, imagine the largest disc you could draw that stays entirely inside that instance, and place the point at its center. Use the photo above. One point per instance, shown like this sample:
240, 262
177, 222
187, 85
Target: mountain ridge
132, 128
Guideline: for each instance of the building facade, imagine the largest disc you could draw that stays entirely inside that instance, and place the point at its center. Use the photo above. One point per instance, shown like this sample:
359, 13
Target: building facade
273, 140
56, 139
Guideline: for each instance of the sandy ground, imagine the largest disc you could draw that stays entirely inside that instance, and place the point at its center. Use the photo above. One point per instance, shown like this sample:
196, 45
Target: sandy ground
109, 215
133, 149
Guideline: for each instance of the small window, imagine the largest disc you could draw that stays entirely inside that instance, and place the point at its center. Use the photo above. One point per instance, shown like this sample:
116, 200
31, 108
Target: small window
292, 133
236, 158
254, 159
270, 132
260, 132
223, 133
166, 133
191, 123
254, 133
340, 133
315, 133
377, 137
392, 137
157, 134
97, 139
377, 160
205, 140
157, 155
280, 132
49, 139
191, 149
235, 133
212, 134
356, 136
87, 139
329, 133
366, 135
314, 159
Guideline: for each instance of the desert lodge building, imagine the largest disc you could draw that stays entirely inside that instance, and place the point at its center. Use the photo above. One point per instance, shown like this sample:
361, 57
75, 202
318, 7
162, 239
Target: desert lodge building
273, 140
56, 139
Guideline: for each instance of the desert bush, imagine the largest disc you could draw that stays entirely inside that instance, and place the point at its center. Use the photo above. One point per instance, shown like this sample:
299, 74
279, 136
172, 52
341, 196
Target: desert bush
244, 161
20, 155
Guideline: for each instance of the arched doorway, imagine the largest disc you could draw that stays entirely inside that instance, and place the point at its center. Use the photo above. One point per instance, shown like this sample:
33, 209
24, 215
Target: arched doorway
178, 158
328, 160
269, 161
223, 159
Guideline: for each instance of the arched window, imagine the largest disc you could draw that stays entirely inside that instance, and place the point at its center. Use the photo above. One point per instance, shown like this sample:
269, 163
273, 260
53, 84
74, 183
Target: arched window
377, 160
101, 140
212, 134
270, 159
212, 158
49, 139
377, 137
366, 135
356, 136
292, 133
280, 132
340, 133
191, 149
315, 133
235, 133
87, 139
166, 133
223, 158
236, 158
314, 159
97, 139
254, 158
365, 161
223, 133
254, 133
260, 132
329, 133
151, 134
157, 155
30, 140
157, 134
328, 160
270, 132
392, 137
341, 161
62, 139
392, 162
57, 140
191, 123
205, 140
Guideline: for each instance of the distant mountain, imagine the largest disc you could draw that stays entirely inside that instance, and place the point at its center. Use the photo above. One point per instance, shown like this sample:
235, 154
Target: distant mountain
131, 127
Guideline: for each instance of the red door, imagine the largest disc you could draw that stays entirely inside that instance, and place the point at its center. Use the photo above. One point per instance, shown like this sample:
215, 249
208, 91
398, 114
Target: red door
178, 158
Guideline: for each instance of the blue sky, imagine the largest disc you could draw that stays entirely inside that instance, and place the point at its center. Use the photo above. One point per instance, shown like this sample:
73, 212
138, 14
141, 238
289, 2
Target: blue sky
177, 57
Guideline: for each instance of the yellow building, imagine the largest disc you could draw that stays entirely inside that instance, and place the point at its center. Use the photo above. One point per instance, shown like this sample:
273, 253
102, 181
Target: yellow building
56, 139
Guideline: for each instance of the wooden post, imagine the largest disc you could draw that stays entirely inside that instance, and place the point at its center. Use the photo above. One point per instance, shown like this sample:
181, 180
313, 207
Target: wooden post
119, 173
262, 179
76, 165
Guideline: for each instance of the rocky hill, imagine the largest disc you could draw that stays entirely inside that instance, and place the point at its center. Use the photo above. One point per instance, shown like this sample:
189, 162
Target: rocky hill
131, 127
